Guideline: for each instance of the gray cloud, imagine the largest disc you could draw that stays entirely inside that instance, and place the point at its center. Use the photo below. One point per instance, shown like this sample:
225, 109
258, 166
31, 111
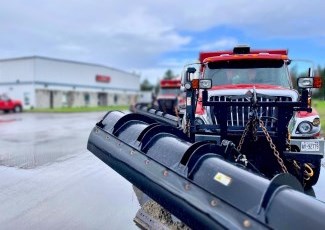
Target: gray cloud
135, 34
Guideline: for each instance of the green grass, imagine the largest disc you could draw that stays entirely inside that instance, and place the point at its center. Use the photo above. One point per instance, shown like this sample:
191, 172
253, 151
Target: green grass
320, 107
79, 109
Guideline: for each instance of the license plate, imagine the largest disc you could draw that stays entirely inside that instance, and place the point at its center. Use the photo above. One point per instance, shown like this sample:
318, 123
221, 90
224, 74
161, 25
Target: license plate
310, 146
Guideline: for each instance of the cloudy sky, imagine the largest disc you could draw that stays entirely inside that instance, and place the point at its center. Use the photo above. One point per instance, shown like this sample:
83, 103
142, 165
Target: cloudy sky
151, 36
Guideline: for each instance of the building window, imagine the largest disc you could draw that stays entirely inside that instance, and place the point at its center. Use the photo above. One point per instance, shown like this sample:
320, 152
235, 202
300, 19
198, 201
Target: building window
64, 99
87, 99
115, 99
26, 98
70, 98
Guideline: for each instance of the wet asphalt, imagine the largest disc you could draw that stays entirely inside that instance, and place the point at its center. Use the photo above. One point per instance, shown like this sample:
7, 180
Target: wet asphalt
49, 180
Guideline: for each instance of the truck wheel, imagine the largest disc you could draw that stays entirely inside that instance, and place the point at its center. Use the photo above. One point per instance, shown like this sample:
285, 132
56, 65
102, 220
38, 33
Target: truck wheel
17, 109
316, 165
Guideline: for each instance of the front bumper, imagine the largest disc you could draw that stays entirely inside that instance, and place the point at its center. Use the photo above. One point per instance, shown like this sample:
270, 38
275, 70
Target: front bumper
307, 148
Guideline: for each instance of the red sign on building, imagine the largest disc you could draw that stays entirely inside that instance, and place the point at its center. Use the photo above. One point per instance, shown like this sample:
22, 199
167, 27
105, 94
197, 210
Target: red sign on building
103, 78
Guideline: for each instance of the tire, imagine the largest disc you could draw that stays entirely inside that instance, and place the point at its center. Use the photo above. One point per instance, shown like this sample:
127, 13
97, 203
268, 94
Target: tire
17, 109
316, 166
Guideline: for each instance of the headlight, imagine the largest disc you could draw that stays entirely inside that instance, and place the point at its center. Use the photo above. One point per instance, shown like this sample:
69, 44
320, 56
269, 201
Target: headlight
199, 121
316, 121
187, 85
304, 127
305, 82
205, 84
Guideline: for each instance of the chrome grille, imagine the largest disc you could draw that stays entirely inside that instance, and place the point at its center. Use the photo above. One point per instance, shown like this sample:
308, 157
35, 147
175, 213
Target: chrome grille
238, 115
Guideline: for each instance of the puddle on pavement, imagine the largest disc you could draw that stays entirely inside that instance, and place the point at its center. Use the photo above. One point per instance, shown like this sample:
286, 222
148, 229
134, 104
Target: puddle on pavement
28, 158
30, 150
9, 120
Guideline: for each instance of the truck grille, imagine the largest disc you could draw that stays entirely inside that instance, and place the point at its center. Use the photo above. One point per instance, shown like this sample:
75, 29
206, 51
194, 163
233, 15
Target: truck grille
167, 103
237, 116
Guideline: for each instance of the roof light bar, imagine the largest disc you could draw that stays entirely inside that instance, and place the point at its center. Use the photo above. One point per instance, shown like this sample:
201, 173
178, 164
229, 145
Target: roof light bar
243, 49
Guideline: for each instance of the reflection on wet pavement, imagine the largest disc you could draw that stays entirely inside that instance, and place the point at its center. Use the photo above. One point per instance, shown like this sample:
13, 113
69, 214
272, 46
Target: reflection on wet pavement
38, 139
48, 180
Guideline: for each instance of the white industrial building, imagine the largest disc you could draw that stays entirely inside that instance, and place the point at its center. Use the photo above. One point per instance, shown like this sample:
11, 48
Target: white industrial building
41, 82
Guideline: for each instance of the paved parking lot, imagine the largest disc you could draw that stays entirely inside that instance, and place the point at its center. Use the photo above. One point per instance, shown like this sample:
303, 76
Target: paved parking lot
49, 180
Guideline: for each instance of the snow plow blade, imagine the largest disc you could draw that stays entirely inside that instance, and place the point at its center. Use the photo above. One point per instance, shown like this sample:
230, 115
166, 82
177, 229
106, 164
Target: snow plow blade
195, 182
158, 116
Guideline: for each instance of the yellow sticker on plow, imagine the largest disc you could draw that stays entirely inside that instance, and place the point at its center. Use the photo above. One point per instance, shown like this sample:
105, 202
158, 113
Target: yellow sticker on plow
222, 178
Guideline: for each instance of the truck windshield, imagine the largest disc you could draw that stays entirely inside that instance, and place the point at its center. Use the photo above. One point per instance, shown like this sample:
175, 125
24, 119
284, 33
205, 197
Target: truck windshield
173, 91
270, 72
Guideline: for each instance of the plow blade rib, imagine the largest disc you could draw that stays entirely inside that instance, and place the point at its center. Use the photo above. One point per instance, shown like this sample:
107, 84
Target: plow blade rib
159, 116
195, 182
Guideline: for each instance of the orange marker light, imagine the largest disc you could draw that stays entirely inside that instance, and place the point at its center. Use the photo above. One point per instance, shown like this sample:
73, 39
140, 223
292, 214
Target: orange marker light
195, 83
317, 82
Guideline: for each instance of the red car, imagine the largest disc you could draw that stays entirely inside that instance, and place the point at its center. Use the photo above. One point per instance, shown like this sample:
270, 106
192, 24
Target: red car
7, 104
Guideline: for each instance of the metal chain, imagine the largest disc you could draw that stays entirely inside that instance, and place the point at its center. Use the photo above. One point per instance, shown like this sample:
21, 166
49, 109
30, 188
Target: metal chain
273, 147
307, 175
254, 132
254, 128
288, 141
187, 127
242, 138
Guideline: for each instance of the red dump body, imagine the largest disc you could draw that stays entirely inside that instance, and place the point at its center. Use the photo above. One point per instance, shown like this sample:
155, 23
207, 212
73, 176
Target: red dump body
224, 55
173, 83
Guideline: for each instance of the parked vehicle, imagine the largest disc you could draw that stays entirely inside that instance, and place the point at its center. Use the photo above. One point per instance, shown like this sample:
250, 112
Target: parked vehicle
170, 99
255, 94
7, 104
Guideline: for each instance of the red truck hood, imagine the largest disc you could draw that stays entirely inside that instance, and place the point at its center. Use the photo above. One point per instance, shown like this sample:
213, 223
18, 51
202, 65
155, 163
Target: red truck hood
242, 89
247, 86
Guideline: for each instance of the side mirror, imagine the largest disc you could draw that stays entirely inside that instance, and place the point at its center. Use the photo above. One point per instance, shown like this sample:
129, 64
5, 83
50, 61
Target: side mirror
310, 72
186, 78
309, 82
189, 71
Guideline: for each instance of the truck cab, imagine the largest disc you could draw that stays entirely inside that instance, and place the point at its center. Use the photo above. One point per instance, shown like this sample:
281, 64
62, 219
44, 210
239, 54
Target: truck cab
266, 71
252, 102
170, 99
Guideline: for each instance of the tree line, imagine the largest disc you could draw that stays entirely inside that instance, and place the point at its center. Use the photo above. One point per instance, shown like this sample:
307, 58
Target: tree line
147, 86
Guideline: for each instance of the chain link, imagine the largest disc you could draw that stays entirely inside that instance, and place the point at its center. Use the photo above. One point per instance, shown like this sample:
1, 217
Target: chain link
268, 138
288, 141
242, 138
187, 128
273, 147
307, 175
254, 128
254, 132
